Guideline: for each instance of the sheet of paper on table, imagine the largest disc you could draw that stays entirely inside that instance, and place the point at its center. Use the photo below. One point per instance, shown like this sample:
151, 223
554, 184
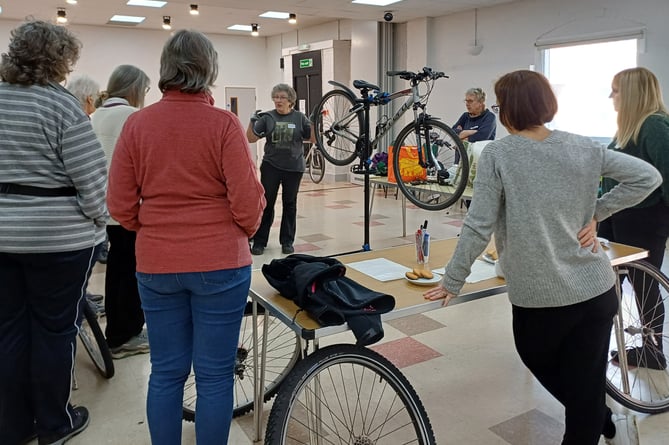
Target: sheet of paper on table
380, 269
480, 271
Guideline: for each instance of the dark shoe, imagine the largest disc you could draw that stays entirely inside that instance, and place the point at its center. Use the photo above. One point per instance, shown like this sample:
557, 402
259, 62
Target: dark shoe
257, 250
643, 357
79, 420
95, 298
287, 248
102, 255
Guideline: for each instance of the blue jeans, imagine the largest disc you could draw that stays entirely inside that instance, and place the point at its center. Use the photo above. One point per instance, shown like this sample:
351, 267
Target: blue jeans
193, 318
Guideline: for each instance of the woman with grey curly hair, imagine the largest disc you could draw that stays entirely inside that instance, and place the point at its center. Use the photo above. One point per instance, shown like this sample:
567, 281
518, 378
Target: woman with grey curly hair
52, 214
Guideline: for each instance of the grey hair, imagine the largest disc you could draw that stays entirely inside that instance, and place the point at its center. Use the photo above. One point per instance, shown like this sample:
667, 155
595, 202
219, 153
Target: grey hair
127, 82
189, 63
82, 87
285, 88
478, 93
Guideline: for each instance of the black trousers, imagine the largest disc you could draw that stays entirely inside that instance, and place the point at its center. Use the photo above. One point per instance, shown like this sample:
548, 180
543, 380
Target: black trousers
271, 178
40, 296
647, 228
566, 349
123, 306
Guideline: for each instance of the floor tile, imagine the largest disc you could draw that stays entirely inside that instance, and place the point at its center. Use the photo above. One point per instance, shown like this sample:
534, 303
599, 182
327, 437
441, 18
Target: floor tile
405, 352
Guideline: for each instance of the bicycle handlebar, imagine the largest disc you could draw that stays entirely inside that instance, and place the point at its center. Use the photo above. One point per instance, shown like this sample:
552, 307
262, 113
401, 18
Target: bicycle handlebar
426, 74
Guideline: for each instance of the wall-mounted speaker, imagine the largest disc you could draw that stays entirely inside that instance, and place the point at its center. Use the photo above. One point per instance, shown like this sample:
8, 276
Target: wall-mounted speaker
281, 63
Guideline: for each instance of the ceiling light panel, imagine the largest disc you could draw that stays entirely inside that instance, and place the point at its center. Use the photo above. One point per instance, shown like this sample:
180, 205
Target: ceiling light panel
376, 2
126, 19
147, 3
246, 28
275, 15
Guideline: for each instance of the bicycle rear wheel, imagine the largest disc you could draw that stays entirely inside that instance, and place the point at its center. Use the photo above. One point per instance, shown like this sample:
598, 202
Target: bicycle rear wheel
94, 342
347, 394
283, 351
439, 182
639, 379
316, 165
337, 127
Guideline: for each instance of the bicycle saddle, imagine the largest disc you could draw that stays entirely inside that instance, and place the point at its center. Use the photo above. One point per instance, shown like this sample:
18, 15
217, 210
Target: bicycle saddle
363, 84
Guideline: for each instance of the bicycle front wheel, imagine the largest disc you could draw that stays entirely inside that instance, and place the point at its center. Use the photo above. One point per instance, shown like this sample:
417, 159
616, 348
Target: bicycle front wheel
438, 177
347, 394
316, 165
639, 379
94, 342
337, 127
283, 351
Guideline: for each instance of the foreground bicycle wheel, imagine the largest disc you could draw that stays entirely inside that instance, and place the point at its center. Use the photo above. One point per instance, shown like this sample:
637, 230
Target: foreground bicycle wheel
316, 165
337, 127
347, 394
283, 351
94, 342
641, 384
441, 180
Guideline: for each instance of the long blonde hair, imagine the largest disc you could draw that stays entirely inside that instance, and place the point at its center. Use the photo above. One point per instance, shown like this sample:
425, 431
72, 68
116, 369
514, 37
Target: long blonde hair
640, 96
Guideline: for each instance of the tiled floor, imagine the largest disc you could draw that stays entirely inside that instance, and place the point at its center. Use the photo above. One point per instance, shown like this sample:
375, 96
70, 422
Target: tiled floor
462, 360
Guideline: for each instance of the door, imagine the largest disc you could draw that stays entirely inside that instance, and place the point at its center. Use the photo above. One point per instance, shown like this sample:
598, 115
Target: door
242, 102
307, 80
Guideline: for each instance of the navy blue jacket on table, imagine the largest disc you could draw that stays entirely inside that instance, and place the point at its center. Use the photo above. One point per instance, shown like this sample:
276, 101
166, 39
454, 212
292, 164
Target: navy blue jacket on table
485, 125
318, 285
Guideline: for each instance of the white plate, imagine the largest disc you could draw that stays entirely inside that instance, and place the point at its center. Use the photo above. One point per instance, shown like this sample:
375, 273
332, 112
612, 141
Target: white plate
426, 281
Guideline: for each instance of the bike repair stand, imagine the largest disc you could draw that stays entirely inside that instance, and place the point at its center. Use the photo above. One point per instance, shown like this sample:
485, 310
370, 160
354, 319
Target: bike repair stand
365, 170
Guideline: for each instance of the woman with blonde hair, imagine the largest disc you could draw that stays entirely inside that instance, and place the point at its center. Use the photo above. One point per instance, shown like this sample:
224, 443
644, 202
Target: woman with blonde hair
643, 132
126, 89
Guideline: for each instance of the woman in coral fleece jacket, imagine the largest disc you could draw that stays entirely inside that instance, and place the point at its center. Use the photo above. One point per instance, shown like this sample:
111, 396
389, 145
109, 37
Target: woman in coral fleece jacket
182, 177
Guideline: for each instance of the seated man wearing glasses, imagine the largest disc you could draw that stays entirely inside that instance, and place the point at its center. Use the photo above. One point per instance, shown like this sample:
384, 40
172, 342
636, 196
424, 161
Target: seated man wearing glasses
477, 123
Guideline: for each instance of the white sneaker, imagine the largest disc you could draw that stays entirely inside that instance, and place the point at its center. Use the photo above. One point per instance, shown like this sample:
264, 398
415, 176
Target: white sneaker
627, 431
139, 344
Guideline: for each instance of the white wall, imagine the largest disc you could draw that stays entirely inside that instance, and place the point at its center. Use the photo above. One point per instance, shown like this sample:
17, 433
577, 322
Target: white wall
242, 60
508, 34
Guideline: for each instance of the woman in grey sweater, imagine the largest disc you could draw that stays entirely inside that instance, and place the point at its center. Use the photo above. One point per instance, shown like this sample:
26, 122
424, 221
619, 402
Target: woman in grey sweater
536, 190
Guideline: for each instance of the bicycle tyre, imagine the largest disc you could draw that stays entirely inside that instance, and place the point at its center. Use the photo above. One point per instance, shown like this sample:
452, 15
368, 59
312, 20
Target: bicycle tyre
362, 399
283, 351
337, 127
647, 389
433, 192
316, 165
94, 342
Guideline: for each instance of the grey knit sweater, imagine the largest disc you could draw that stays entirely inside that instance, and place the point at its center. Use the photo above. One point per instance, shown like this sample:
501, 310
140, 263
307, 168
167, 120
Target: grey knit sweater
535, 197
46, 140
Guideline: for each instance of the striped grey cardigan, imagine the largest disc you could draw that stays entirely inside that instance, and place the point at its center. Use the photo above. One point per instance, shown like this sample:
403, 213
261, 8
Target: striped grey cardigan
46, 140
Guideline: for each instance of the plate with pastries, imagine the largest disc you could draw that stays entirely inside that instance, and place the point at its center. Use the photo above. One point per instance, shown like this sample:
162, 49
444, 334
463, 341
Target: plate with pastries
422, 277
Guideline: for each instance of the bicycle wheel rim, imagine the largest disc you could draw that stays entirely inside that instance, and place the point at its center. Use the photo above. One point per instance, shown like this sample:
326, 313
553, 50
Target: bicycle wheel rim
283, 351
348, 394
641, 388
316, 166
337, 129
438, 186
94, 342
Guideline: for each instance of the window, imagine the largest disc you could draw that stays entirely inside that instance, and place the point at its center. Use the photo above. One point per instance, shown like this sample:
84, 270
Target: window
581, 77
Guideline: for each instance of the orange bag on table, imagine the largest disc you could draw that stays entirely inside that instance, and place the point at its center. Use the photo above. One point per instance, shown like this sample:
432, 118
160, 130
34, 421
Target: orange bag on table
409, 167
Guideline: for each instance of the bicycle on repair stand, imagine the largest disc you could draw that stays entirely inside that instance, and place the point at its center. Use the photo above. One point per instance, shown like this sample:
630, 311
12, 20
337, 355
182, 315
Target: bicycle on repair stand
437, 162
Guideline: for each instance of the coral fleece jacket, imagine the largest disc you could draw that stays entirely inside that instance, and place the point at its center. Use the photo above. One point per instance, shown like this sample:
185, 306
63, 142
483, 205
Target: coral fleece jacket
183, 178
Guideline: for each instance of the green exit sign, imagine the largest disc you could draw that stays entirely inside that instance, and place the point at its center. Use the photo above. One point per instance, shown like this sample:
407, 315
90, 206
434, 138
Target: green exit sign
306, 63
